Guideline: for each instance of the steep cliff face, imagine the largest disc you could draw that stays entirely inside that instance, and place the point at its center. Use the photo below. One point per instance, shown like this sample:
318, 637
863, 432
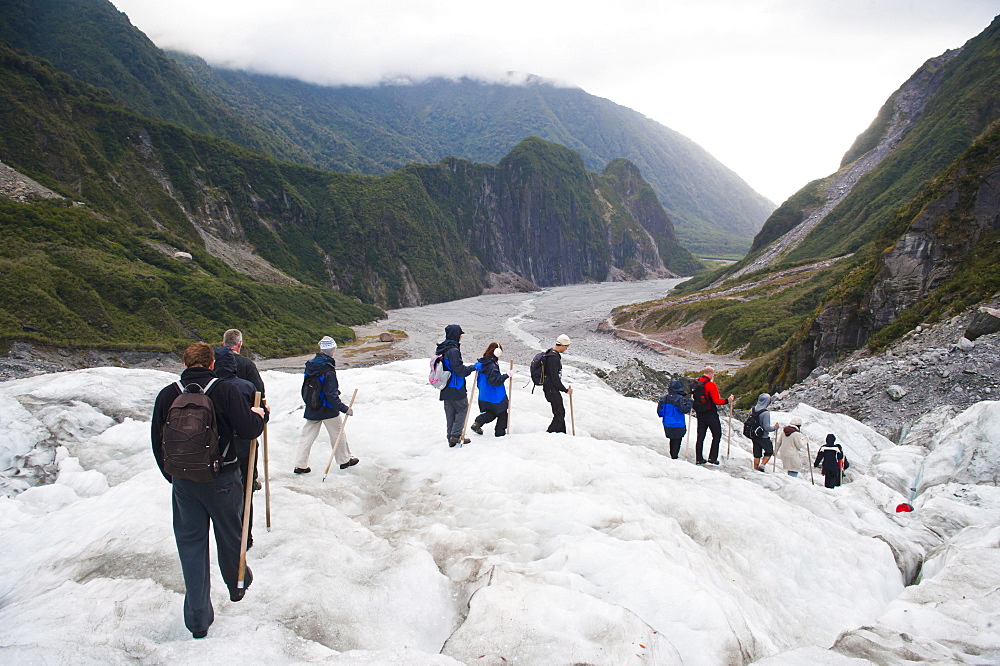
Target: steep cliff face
941, 259
541, 215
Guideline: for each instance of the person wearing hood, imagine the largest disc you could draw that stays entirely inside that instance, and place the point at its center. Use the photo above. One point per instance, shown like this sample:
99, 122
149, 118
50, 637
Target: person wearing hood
788, 444
831, 461
225, 370
672, 408
454, 396
763, 449
328, 413
492, 393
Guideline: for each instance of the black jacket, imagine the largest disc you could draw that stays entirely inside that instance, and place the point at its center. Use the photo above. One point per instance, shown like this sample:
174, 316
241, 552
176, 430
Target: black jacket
552, 371
247, 369
232, 414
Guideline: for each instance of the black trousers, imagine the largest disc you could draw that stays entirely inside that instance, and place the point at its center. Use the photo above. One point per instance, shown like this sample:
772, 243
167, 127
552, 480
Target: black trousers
708, 421
490, 411
195, 505
558, 411
676, 437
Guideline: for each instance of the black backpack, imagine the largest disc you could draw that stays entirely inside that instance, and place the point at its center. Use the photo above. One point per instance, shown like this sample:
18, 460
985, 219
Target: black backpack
191, 436
537, 368
702, 403
752, 428
312, 391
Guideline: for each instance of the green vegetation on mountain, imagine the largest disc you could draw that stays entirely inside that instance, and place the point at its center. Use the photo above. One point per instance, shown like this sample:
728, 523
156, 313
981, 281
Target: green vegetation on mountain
95, 43
377, 129
927, 209
424, 233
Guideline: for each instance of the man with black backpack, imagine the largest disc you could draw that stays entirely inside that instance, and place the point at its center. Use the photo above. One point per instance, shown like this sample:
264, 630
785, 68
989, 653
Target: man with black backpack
706, 398
193, 426
321, 393
552, 385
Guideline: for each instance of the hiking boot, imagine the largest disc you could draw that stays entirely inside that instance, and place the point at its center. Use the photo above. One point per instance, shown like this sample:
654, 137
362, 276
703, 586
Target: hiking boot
350, 463
452, 442
235, 594
700, 462
302, 470
476, 428
199, 634
713, 462
761, 469
256, 485
466, 441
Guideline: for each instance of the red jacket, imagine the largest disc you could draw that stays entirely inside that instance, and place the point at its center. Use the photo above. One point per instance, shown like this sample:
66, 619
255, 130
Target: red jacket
712, 391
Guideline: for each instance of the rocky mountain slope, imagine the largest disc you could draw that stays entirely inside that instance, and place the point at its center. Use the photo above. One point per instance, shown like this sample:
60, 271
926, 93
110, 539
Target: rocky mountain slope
905, 233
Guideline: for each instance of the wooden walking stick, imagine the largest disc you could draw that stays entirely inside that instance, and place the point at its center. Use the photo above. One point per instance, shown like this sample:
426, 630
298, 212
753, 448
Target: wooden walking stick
687, 438
729, 432
572, 419
248, 496
810, 459
267, 483
461, 440
510, 393
340, 434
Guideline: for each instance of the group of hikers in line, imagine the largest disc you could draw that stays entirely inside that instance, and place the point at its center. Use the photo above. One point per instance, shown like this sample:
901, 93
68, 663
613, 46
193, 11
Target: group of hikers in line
204, 426
704, 402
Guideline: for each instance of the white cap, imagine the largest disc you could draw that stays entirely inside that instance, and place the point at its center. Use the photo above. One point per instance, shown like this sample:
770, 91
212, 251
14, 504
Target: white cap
563, 340
327, 343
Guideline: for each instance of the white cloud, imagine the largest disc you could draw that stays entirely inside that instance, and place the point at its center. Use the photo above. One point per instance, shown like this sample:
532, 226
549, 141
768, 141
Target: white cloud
777, 90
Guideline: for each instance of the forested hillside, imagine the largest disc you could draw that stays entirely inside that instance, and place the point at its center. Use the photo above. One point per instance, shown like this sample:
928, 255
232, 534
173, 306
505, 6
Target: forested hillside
377, 129
296, 245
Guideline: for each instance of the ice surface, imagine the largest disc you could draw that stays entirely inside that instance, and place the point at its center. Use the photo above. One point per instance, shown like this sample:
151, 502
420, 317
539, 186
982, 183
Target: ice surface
530, 549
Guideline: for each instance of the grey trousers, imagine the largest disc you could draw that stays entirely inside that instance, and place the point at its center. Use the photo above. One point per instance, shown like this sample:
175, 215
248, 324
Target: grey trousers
194, 506
454, 414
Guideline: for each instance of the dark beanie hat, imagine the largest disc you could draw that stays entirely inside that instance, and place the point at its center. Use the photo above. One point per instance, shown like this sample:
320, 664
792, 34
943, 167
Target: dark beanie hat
831, 438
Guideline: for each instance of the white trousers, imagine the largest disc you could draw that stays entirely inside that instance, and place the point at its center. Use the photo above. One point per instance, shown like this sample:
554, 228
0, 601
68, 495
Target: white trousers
309, 432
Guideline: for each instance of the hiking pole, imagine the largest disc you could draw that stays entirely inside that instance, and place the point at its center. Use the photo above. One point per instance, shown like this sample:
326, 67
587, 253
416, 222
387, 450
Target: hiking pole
729, 432
809, 457
461, 440
340, 434
687, 438
572, 419
510, 393
774, 458
248, 496
267, 480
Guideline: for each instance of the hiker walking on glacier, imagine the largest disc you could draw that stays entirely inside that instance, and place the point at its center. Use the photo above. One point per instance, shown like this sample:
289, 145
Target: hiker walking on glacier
454, 396
788, 444
202, 467
492, 393
225, 370
763, 449
673, 408
832, 462
321, 393
706, 399
552, 385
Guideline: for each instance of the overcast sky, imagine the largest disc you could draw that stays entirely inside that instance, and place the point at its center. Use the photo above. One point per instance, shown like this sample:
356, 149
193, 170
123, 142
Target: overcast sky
775, 89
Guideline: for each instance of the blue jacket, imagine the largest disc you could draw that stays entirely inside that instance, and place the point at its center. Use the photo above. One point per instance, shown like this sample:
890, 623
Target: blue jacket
673, 406
324, 366
490, 381
451, 355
